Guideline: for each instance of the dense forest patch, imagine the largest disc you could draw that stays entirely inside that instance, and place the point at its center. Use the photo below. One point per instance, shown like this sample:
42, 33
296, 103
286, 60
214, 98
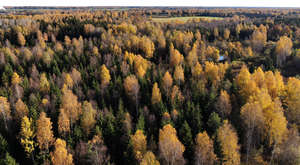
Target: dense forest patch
150, 86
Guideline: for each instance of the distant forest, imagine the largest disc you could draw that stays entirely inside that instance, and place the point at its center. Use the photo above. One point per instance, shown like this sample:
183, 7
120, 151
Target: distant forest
149, 86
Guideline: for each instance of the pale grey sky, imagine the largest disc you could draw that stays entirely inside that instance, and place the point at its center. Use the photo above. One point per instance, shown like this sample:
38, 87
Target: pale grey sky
241, 3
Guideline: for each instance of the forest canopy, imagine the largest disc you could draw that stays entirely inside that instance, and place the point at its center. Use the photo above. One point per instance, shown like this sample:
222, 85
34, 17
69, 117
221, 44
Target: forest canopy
150, 86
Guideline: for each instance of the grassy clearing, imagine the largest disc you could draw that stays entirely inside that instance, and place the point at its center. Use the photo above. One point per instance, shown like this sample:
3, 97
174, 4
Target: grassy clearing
184, 19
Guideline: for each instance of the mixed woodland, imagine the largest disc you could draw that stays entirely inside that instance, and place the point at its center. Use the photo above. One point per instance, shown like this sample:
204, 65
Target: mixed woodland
116, 86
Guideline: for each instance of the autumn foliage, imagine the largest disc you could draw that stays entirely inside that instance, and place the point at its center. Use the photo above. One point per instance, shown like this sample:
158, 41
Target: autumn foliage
60, 155
149, 86
171, 149
228, 140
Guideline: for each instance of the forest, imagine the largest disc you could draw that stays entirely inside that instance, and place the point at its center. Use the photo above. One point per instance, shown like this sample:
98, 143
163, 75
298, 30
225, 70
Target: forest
150, 86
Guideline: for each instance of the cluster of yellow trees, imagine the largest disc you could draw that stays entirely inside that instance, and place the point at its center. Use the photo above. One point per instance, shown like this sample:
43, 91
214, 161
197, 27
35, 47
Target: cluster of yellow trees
104, 87
264, 94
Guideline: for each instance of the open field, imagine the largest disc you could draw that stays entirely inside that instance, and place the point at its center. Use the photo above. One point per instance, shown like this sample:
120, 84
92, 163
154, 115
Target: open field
184, 19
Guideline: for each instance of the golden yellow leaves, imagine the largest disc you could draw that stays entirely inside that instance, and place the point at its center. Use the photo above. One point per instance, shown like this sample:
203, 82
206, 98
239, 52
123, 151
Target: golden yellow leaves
156, 95
67, 41
252, 116
175, 57
44, 132
5, 107
88, 117
274, 123
71, 105
248, 52
165, 117
176, 95
5, 111
21, 110
41, 39
21, 39
44, 84
27, 135
141, 65
68, 81
204, 150
139, 143
246, 83
63, 123
179, 74
15, 80
226, 34
142, 44
253, 120
261, 91
147, 46
192, 57
274, 84
212, 53
167, 81
197, 71
171, 149
211, 72
229, 144
105, 76
141, 72
129, 57
60, 155
131, 86
149, 159
292, 100
126, 28
89, 28
283, 49
251, 84
182, 39
259, 38
215, 73
259, 77
223, 104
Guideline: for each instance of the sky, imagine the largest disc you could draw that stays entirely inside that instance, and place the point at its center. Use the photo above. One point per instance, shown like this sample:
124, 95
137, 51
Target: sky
228, 3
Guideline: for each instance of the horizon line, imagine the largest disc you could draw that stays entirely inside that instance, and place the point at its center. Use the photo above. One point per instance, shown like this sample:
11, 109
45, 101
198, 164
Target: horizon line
155, 6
